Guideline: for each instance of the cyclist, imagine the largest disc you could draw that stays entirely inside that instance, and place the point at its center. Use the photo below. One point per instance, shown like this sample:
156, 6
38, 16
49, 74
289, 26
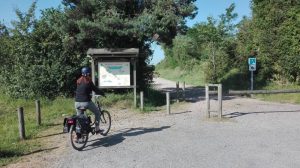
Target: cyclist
85, 86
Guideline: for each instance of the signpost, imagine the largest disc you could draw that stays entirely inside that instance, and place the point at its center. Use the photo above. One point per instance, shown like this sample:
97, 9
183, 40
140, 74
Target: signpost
252, 67
116, 68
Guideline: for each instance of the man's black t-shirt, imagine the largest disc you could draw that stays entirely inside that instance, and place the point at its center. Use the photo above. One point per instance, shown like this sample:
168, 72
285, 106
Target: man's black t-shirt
84, 90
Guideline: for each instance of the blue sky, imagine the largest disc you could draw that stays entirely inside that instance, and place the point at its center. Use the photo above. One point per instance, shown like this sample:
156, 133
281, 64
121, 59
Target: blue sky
205, 8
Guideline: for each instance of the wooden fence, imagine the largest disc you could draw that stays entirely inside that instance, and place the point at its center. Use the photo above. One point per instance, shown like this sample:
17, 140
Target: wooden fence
22, 121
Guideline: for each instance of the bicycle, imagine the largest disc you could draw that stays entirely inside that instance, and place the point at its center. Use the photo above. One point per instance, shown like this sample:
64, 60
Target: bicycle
82, 125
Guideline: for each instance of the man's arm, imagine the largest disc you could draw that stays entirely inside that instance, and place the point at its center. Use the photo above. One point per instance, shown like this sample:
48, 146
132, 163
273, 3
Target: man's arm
97, 90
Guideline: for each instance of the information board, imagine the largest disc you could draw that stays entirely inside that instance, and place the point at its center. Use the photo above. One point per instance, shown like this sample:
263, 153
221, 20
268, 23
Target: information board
114, 73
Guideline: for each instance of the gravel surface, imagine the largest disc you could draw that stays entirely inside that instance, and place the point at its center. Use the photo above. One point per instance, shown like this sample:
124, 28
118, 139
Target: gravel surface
253, 133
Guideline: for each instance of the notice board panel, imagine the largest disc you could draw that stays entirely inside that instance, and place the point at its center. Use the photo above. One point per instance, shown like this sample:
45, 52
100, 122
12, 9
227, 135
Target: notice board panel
114, 73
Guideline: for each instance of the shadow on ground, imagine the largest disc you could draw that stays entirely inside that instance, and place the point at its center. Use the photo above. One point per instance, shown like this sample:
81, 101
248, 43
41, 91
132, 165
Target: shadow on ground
120, 137
8, 154
183, 112
239, 114
49, 135
193, 94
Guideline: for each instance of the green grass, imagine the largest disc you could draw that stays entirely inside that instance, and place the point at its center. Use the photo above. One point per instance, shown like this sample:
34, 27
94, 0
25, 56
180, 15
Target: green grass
11, 147
153, 100
53, 113
282, 98
195, 76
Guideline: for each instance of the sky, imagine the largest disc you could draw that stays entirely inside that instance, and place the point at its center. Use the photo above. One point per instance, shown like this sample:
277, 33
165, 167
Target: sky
206, 8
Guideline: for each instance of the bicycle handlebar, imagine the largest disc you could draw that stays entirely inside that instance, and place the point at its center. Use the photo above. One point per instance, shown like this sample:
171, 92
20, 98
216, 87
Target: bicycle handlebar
97, 96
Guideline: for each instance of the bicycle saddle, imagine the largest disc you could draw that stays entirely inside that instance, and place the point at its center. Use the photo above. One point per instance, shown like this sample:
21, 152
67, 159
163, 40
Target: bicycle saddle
82, 108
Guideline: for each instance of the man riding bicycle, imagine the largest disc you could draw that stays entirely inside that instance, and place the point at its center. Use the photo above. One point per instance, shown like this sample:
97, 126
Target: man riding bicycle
83, 97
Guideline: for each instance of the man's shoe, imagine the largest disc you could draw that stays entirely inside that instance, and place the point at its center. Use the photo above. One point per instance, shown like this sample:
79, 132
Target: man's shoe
99, 131
79, 141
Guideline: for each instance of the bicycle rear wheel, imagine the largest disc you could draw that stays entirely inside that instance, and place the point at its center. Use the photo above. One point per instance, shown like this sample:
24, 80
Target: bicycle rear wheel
78, 141
105, 122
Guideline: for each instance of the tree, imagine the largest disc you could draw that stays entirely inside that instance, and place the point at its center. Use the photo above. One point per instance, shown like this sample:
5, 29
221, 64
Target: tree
37, 63
272, 32
4, 50
125, 24
211, 42
19, 52
44, 55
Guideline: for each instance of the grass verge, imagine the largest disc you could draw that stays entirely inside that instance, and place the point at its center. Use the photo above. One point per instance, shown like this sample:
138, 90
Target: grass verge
195, 76
11, 147
282, 98
153, 100
52, 112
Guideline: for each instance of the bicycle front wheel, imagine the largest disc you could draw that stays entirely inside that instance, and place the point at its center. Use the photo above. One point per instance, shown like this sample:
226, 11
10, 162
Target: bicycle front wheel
105, 122
78, 141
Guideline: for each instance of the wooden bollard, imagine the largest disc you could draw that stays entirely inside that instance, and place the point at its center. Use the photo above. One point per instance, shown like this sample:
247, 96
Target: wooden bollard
220, 100
207, 101
142, 99
168, 102
177, 91
21, 123
135, 98
38, 112
183, 90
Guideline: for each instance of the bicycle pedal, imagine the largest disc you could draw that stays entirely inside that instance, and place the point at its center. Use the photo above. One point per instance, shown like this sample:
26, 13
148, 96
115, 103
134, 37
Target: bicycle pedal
99, 131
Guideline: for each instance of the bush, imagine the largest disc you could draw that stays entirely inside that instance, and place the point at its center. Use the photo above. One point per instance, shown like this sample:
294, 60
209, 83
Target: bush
235, 79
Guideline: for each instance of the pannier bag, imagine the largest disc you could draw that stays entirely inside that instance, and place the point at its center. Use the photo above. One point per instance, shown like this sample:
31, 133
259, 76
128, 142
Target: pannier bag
84, 123
68, 122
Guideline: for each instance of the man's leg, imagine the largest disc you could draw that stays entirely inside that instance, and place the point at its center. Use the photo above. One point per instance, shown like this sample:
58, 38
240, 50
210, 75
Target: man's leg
96, 112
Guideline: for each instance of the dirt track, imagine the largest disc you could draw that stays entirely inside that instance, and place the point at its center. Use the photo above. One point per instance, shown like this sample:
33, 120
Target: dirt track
253, 133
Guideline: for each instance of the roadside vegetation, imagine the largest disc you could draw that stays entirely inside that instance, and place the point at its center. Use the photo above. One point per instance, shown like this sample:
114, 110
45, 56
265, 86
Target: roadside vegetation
194, 76
282, 98
217, 51
11, 147
53, 113
193, 79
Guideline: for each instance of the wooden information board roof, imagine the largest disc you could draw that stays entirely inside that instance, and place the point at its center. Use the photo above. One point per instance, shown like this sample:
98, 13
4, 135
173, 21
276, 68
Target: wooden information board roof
114, 52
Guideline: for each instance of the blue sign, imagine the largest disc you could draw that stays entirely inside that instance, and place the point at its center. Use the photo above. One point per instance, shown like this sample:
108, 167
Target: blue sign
252, 61
252, 64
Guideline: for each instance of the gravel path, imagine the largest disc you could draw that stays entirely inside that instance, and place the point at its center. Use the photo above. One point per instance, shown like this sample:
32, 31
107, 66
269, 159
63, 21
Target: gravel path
253, 133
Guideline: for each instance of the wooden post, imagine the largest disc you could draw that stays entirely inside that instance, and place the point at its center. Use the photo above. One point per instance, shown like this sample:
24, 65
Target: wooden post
177, 91
183, 89
242, 92
134, 80
142, 100
207, 101
21, 123
94, 72
220, 100
93, 77
168, 102
38, 112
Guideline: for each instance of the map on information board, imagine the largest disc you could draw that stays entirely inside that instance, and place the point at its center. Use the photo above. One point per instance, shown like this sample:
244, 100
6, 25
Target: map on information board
114, 73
